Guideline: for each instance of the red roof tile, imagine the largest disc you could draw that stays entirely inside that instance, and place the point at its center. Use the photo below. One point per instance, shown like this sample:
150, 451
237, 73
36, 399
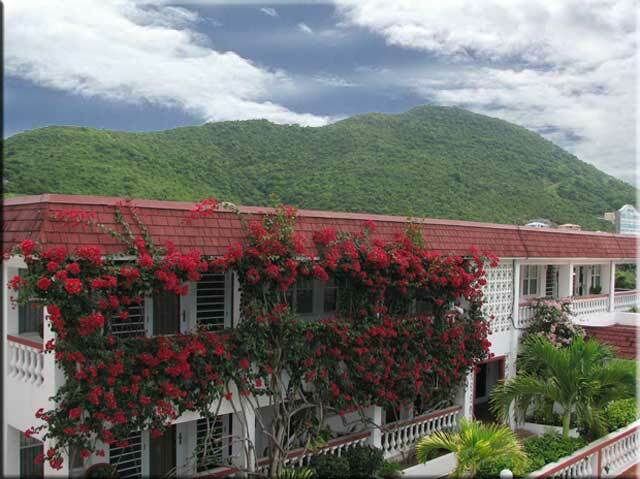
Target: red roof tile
622, 338
30, 217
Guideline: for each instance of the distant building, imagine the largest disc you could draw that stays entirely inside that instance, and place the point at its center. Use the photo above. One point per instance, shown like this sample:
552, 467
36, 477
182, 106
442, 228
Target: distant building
628, 220
539, 223
609, 216
570, 226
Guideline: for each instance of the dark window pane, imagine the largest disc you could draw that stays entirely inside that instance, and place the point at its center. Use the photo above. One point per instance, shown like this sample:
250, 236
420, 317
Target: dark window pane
330, 299
30, 315
304, 296
424, 306
162, 460
166, 313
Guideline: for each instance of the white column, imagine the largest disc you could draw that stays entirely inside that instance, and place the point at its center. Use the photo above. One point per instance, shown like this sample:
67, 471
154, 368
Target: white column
186, 449
374, 413
244, 438
516, 290
237, 292
612, 286
510, 366
11, 452
565, 280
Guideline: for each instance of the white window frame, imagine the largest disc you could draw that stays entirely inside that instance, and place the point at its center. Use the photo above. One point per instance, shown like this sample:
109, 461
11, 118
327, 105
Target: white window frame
529, 274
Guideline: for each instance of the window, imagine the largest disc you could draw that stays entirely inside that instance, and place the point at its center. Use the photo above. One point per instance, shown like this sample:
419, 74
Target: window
29, 449
303, 303
529, 280
166, 313
133, 325
596, 279
128, 460
313, 298
330, 301
210, 301
212, 438
30, 315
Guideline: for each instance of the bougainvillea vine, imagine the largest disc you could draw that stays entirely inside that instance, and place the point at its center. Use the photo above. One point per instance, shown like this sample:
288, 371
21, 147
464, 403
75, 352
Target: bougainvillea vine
395, 337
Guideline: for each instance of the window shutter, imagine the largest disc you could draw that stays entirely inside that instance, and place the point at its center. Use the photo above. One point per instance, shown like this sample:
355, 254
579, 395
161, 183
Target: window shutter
128, 460
133, 326
211, 294
210, 453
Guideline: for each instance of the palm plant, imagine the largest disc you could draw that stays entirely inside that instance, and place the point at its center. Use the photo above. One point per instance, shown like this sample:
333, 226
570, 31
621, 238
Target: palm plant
474, 444
582, 378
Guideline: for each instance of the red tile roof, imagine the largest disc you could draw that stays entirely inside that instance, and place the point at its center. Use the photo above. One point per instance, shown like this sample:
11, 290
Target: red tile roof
622, 338
31, 217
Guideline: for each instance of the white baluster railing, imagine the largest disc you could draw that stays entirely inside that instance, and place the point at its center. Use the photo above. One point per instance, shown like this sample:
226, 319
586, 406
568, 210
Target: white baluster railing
337, 447
609, 456
624, 300
525, 315
26, 360
399, 436
582, 306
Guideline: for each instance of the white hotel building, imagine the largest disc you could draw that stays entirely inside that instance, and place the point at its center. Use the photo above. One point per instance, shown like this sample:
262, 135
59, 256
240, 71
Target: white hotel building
534, 262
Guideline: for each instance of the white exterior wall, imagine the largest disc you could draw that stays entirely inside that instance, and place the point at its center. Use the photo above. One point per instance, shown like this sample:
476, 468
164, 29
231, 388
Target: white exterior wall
502, 298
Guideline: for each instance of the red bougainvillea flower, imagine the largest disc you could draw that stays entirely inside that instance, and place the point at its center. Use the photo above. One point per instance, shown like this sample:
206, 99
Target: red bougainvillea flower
44, 283
28, 247
75, 413
73, 285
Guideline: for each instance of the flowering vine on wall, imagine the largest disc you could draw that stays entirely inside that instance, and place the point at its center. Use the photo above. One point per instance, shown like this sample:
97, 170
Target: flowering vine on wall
376, 350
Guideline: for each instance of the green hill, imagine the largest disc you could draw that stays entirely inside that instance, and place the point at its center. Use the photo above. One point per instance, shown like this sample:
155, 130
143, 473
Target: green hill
429, 161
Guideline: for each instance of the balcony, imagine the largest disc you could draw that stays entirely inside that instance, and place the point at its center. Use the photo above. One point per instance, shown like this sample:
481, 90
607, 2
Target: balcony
26, 359
593, 310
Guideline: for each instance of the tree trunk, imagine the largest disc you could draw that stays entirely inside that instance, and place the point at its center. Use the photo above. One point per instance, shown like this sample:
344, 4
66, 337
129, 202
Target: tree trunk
566, 423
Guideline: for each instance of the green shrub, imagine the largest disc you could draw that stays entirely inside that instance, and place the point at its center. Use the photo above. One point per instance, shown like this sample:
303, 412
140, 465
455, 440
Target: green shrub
327, 466
364, 461
296, 473
620, 413
491, 468
548, 448
390, 470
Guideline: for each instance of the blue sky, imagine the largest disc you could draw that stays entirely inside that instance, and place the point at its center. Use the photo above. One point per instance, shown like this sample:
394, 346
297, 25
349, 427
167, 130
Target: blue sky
566, 72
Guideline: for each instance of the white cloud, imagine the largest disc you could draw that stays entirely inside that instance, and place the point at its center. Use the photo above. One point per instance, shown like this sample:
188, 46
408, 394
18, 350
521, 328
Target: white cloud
334, 81
272, 12
303, 27
139, 51
564, 68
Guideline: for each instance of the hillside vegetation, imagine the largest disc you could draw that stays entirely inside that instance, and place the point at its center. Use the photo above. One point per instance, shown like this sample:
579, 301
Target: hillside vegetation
430, 161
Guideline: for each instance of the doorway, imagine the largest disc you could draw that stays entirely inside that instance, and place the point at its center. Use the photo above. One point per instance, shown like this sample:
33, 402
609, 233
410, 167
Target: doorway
487, 375
162, 457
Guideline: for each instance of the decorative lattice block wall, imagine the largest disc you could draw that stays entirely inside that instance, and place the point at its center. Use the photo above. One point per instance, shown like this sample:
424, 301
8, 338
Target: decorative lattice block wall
498, 297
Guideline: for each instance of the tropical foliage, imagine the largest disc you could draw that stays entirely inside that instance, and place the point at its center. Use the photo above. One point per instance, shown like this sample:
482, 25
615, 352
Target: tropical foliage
621, 412
375, 351
581, 377
430, 161
550, 447
475, 445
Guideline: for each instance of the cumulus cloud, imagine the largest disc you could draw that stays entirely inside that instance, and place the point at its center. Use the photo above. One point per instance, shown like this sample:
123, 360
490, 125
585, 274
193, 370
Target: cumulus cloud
139, 51
272, 12
564, 68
